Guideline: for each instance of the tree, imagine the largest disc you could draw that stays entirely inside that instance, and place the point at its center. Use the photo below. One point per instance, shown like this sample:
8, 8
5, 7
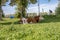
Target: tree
17, 15
2, 3
57, 11
22, 5
3, 15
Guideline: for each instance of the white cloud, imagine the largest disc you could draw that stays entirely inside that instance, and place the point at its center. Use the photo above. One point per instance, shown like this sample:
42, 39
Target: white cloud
46, 8
8, 9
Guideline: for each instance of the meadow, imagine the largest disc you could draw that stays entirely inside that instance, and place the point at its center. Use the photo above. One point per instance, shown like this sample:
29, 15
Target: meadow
48, 29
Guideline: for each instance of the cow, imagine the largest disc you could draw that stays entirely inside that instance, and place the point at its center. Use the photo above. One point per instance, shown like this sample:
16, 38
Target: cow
35, 19
31, 20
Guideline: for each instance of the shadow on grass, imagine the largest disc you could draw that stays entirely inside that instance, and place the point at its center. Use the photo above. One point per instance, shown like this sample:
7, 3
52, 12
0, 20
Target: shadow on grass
9, 23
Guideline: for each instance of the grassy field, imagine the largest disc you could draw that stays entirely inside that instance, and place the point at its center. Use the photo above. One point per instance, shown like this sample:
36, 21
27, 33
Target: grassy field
48, 29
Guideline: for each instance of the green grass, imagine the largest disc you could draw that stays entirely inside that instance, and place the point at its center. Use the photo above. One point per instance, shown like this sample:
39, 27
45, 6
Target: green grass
48, 29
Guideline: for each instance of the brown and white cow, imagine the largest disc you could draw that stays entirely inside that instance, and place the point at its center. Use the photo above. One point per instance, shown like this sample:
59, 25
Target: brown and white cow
35, 19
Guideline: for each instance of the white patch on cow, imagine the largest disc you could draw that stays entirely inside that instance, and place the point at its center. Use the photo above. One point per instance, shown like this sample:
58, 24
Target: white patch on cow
24, 20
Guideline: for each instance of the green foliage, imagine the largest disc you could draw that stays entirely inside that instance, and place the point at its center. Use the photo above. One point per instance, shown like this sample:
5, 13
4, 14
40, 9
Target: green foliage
2, 2
57, 11
22, 5
17, 15
33, 1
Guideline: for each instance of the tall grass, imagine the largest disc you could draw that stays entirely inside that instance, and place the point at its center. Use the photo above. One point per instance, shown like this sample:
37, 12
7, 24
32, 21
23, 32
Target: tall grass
49, 29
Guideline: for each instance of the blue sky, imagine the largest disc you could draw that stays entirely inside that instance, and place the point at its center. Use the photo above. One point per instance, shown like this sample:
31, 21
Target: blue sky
33, 8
